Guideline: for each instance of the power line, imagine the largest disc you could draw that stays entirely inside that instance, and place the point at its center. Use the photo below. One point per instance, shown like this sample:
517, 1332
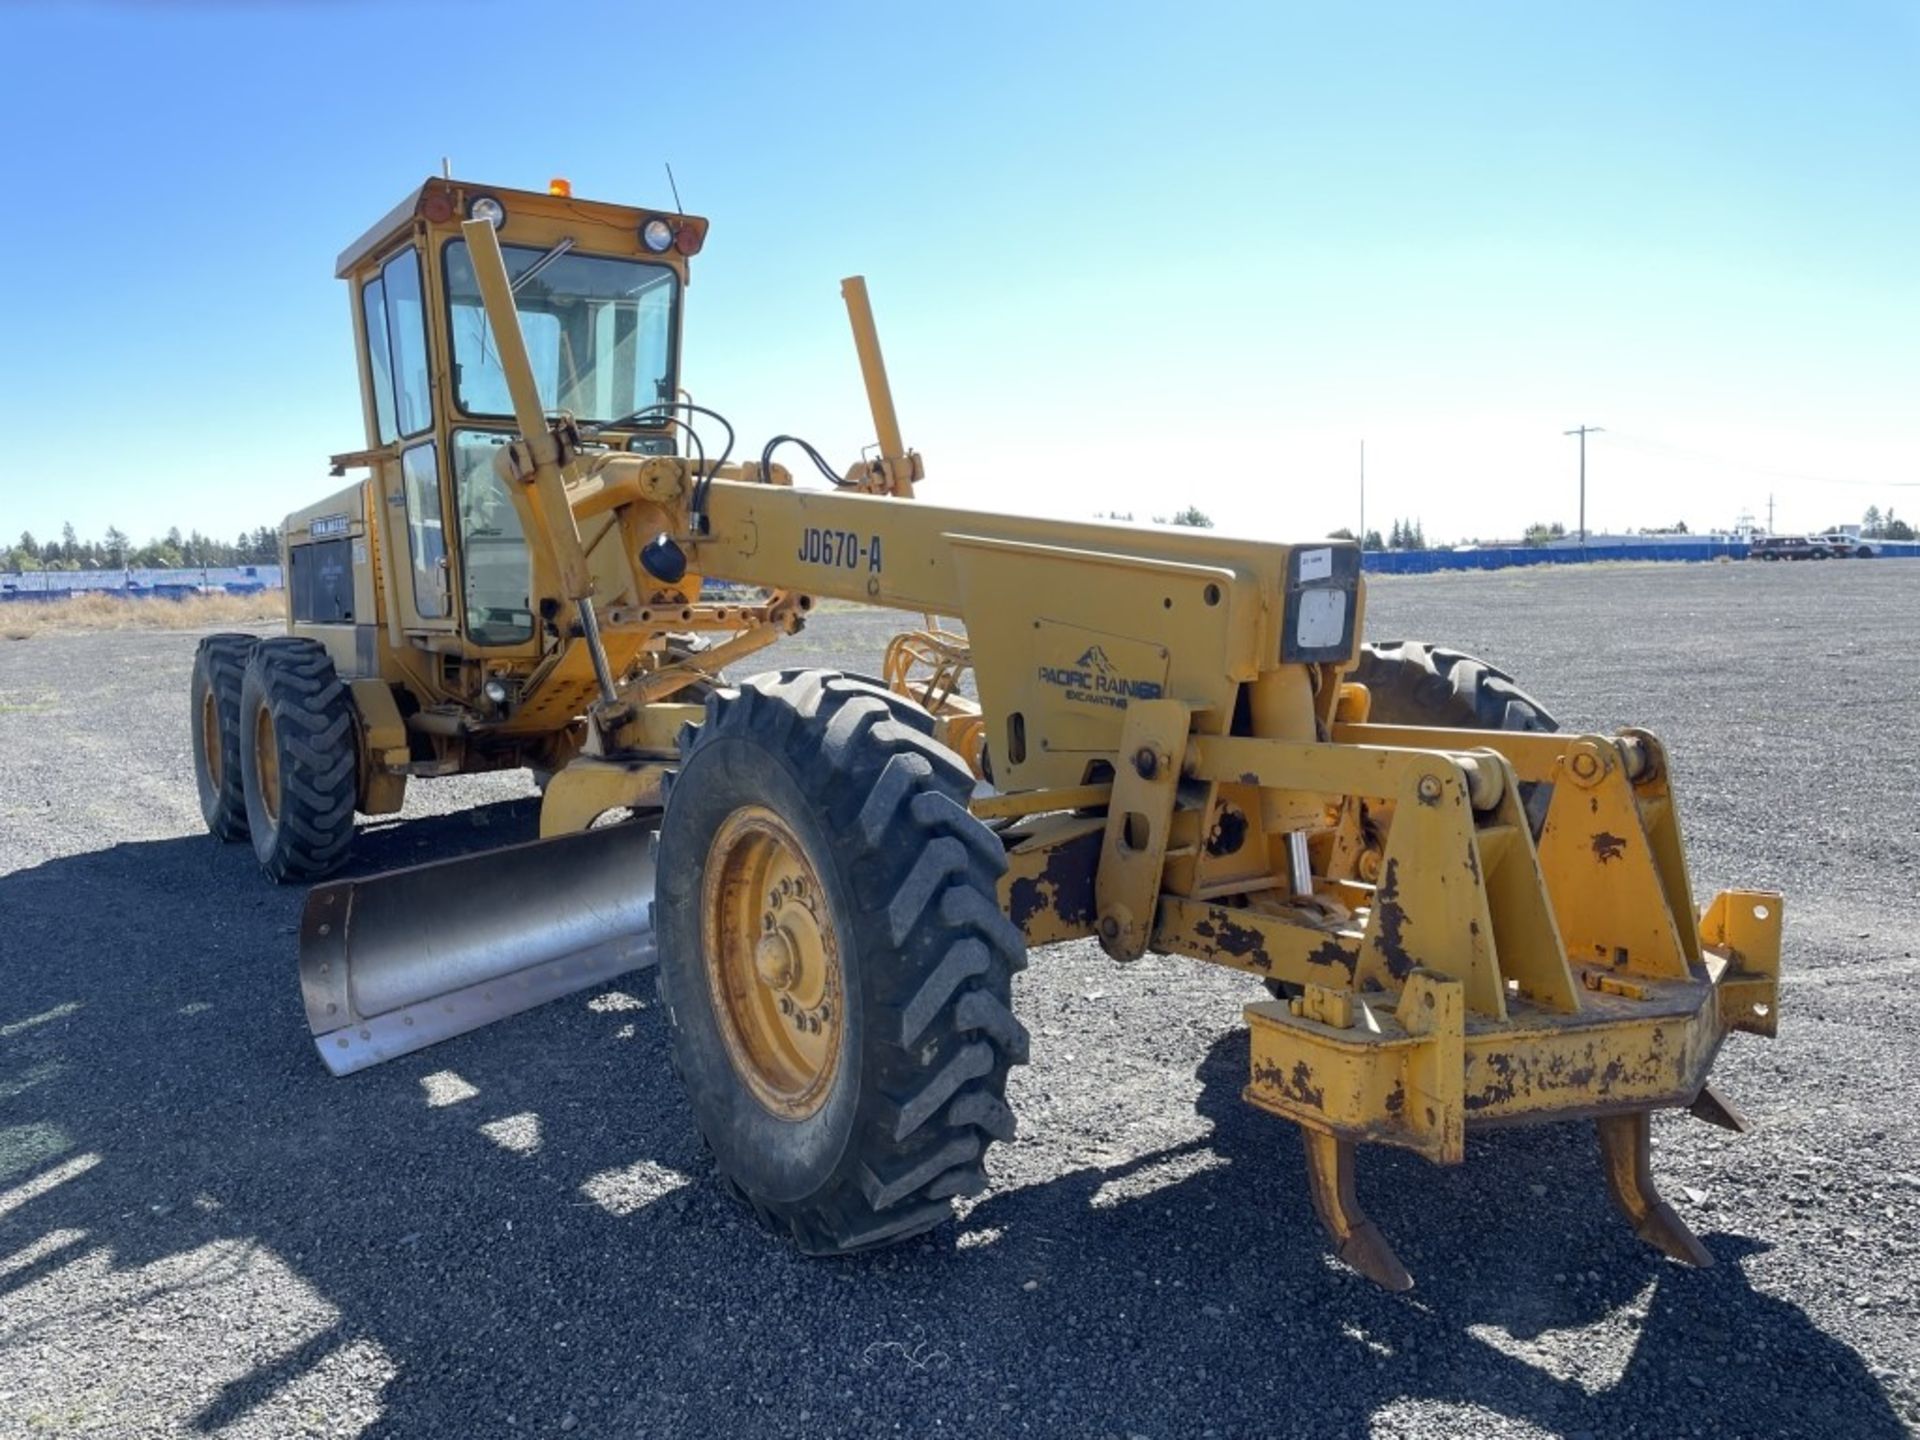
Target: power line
1677, 452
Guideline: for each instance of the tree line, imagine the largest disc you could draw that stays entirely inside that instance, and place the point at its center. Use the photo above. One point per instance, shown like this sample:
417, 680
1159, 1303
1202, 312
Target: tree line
115, 551
1403, 535
1875, 526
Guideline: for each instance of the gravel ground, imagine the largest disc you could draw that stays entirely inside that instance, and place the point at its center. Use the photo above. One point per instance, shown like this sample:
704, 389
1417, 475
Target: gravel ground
516, 1234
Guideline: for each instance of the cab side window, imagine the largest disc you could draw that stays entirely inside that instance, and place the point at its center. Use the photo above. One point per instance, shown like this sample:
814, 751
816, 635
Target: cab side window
396, 321
373, 306
426, 534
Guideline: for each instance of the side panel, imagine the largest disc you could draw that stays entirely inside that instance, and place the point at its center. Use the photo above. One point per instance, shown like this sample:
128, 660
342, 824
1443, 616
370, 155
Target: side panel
329, 577
1065, 640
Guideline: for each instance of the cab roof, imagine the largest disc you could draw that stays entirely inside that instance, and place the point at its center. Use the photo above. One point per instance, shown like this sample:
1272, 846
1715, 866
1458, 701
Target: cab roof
444, 201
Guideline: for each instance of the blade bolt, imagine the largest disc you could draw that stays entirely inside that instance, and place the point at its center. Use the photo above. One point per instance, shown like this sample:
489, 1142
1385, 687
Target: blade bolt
1146, 763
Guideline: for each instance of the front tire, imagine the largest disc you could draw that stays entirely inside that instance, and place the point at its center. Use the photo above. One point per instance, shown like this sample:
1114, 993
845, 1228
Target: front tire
298, 759
219, 669
834, 959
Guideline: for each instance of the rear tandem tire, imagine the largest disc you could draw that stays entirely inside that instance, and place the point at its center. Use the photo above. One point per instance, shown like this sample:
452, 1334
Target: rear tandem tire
866, 1140
298, 758
219, 666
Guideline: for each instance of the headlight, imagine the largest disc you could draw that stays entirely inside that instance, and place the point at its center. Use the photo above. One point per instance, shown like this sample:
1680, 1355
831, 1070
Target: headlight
496, 691
485, 207
1322, 621
657, 236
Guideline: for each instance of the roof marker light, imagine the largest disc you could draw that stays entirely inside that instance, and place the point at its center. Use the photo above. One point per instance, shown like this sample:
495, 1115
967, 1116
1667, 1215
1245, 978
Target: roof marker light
560, 187
657, 235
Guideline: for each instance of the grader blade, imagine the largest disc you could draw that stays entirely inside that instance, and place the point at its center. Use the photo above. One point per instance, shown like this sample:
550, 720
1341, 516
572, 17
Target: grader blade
396, 962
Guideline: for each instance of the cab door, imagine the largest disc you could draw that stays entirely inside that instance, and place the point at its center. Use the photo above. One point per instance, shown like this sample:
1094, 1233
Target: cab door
394, 322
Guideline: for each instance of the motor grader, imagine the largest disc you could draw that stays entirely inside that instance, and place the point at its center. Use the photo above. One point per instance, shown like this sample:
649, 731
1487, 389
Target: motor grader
1168, 742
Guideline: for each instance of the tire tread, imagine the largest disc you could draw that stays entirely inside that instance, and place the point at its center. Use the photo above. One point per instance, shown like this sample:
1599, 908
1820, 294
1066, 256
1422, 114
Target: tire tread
937, 954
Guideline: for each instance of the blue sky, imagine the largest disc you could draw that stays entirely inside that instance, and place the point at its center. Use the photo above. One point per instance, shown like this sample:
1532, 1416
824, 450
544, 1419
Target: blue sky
1123, 257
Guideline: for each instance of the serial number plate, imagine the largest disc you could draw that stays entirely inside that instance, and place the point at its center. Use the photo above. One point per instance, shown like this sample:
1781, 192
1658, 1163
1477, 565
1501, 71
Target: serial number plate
840, 550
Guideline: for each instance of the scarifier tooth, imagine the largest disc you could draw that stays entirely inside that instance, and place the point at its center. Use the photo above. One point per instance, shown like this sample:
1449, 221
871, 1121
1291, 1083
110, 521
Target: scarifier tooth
1714, 1108
1356, 1239
1626, 1149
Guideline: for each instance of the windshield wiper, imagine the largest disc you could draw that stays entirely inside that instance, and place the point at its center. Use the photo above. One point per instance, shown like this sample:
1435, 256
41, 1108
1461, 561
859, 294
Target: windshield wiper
542, 263
513, 287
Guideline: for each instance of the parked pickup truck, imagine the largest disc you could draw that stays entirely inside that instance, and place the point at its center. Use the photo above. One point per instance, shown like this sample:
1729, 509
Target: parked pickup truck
1843, 546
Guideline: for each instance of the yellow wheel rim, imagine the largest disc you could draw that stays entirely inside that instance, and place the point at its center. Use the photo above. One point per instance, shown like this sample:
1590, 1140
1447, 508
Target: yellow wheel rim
210, 737
773, 962
266, 763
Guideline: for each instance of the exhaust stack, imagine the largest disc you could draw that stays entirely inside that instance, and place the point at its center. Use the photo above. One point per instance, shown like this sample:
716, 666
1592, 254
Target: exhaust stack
396, 962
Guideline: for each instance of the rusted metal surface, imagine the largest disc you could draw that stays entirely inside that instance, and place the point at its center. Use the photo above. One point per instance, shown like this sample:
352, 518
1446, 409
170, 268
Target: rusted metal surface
1626, 1151
1139, 824
1041, 802
1048, 888
1259, 943
1356, 1239
1451, 971
1378, 1078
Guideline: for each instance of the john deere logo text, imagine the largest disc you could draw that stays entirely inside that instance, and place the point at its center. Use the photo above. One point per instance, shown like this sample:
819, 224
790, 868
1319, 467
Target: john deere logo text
1092, 680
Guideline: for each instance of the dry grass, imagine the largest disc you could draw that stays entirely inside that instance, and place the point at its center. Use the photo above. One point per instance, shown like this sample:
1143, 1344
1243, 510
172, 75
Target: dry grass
21, 620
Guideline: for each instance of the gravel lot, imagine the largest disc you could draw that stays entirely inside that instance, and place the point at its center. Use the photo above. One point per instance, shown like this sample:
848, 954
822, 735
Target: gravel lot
516, 1234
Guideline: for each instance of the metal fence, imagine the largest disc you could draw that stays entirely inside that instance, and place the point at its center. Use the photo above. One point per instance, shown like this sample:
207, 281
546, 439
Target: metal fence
1502, 557
44, 585
248, 579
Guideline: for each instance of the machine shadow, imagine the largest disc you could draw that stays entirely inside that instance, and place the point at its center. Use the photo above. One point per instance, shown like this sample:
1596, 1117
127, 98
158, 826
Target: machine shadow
521, 1223
1513, 1254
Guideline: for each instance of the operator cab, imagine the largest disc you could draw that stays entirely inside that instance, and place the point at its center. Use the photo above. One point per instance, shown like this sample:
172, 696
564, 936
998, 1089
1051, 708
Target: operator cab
598, 291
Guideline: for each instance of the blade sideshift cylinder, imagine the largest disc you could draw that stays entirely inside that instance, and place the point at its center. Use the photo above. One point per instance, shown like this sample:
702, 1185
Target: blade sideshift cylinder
399, 961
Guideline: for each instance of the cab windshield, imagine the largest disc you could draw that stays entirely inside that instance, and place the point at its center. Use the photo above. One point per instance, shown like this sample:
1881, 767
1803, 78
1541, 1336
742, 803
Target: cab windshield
599, 333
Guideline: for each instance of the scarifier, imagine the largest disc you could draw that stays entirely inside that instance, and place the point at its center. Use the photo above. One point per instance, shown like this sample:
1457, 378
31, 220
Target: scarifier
1169, 742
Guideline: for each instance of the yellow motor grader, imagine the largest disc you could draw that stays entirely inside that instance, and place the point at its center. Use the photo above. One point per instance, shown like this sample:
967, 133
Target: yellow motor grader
1172, 742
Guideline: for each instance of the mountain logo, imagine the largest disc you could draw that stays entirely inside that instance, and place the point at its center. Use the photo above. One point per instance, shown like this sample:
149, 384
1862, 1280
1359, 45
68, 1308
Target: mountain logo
1095, 659
1093, 679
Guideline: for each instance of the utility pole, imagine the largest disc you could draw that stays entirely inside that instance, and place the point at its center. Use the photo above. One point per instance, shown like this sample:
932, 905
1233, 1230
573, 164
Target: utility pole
1363, 494
1769, 512
1583, 432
